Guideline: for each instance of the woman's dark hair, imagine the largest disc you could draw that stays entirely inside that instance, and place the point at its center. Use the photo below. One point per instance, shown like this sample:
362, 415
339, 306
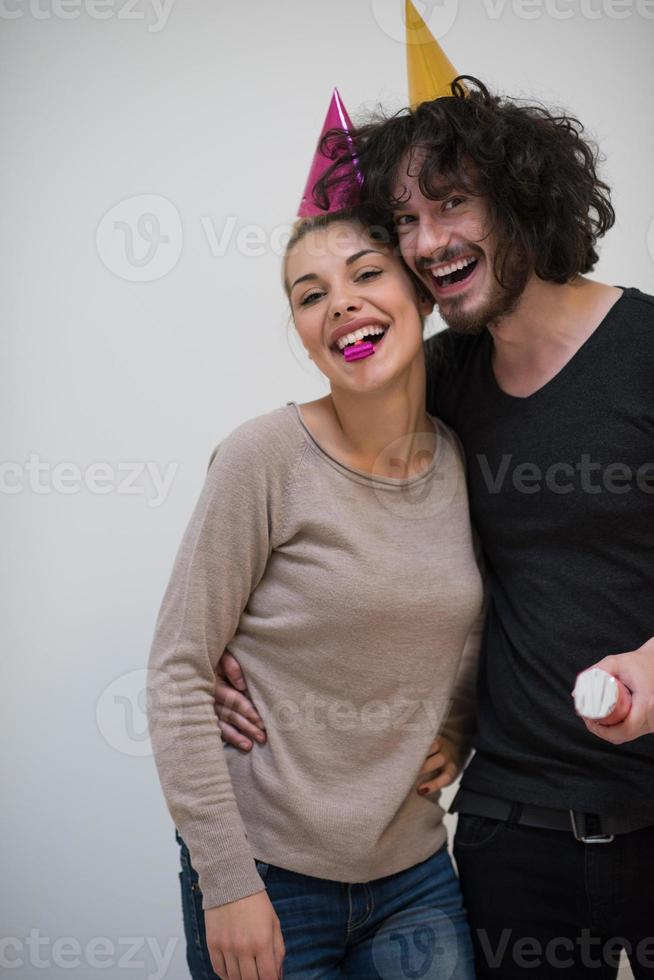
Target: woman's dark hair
537, 173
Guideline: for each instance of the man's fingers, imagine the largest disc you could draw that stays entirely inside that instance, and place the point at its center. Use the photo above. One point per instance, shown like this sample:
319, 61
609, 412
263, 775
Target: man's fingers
241, 724
234, 737
610, 664
227, 699
629, 729
232, 670
239, 721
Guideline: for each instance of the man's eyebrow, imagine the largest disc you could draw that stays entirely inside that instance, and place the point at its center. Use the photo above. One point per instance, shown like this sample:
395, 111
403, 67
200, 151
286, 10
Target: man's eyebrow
349, 260
440, 193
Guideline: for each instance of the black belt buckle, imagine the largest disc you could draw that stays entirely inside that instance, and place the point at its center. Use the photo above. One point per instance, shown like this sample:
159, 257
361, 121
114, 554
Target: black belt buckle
588, 838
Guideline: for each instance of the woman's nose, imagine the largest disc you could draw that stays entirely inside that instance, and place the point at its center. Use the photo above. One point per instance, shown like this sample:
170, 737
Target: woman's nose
338, 309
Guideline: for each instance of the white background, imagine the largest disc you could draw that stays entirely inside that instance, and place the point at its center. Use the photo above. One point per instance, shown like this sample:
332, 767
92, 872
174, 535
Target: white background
122, 349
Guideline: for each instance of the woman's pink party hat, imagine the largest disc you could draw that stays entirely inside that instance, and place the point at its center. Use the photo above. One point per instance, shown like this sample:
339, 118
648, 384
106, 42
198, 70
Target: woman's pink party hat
347, 193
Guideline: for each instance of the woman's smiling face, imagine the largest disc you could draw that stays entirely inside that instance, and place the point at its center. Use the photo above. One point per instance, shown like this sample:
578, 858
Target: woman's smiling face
342, 285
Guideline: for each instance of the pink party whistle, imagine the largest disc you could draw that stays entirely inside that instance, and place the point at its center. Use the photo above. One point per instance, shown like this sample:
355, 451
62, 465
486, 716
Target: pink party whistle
358, 350
601, 697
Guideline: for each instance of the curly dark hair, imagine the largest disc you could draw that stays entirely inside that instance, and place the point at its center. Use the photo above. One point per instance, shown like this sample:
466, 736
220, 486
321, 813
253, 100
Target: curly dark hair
536, 171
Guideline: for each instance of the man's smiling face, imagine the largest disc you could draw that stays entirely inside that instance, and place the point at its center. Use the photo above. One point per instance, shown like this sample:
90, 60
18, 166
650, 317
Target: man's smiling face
448, 243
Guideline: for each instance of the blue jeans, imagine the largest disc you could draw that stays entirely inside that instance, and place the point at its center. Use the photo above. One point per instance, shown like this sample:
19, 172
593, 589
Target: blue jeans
406, 926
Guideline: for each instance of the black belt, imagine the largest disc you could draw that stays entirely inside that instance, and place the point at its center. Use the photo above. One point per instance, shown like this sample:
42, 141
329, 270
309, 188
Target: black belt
590, 828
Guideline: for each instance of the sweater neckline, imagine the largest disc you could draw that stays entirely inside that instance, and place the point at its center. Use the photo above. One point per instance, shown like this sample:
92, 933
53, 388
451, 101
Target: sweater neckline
361, 476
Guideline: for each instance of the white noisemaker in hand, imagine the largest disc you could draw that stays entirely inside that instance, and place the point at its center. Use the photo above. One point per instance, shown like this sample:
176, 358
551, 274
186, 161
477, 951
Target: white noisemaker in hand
601, 697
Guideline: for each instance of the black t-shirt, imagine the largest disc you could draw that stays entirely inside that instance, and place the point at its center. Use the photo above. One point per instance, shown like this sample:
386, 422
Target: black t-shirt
562, 493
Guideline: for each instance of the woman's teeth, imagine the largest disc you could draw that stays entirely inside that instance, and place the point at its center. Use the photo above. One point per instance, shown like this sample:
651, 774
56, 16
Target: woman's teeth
351, 338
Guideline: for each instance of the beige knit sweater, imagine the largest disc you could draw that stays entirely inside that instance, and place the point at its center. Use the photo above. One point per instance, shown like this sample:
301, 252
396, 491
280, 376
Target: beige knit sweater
353, 604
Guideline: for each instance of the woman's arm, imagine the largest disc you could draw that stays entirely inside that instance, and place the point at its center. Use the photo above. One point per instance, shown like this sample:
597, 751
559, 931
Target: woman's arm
221, 558
451, 749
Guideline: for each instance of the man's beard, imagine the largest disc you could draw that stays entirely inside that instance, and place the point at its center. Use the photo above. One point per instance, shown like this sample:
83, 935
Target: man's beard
502, 301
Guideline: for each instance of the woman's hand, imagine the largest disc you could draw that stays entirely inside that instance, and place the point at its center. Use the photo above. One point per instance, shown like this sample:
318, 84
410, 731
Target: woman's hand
237, 716
244, 939
440, 761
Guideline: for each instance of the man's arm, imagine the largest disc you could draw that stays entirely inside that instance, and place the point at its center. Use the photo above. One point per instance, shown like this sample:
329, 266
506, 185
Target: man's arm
239, 721
636, 671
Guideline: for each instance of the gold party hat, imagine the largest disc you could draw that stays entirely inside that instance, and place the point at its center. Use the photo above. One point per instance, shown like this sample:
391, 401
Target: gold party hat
429, 70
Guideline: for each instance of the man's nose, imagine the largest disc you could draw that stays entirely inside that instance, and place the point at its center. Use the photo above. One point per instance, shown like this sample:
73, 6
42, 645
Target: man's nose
432, 239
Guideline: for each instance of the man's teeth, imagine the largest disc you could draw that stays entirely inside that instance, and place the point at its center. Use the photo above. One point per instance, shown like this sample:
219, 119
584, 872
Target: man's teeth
447, 270
351, 338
